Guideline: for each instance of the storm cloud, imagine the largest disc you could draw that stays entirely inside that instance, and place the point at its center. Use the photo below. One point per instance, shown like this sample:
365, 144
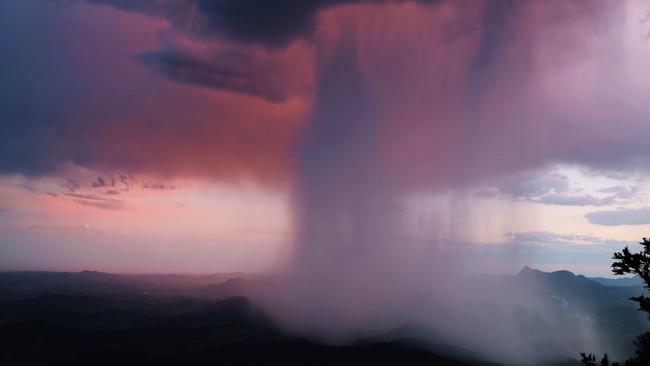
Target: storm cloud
463, 91
185, 68
271, 23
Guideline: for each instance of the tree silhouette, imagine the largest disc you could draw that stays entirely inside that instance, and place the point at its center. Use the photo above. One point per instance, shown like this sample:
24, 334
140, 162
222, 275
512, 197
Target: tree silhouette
637, 264
588, 359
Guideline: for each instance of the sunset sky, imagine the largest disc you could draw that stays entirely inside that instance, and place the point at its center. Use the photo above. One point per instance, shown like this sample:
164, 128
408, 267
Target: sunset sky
191, 135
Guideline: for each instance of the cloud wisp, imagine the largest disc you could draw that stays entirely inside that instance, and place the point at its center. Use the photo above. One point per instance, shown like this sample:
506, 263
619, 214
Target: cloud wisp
553, 187
621, 216
552, 238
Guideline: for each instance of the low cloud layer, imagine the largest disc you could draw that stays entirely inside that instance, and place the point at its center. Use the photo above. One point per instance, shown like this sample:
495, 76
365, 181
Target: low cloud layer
552, 238
553, 187
622, 216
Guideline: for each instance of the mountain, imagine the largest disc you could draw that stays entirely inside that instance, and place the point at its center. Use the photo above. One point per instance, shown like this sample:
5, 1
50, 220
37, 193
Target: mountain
84, 282
580, 300
625, 281
577, 290
28, 283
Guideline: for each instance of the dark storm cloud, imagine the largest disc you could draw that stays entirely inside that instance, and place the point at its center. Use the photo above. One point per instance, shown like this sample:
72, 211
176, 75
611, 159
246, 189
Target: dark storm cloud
268, 22
214, 73
274, 24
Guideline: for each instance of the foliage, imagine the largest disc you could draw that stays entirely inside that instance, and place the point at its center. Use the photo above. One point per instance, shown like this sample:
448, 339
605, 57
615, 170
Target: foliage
637, 264
588, 359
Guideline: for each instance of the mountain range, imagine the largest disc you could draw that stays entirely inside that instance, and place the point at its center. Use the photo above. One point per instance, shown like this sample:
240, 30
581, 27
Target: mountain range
106, 318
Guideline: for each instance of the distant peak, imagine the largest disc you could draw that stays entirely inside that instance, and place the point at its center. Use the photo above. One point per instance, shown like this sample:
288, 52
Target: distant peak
526, 270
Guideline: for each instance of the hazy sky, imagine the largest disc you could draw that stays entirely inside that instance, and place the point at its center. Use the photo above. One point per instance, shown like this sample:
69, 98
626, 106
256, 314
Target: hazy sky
171, 136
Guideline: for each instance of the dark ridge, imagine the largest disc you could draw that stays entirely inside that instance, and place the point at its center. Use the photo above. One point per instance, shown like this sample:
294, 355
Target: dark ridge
94, 330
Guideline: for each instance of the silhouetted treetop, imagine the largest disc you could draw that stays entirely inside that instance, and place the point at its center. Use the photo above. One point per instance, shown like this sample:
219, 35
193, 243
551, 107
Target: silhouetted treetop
637, 264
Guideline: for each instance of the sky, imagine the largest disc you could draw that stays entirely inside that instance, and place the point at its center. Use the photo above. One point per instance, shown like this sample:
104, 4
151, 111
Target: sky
204, 136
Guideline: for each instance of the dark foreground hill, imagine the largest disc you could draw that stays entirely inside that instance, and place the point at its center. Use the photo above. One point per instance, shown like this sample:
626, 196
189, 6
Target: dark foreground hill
58, 329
